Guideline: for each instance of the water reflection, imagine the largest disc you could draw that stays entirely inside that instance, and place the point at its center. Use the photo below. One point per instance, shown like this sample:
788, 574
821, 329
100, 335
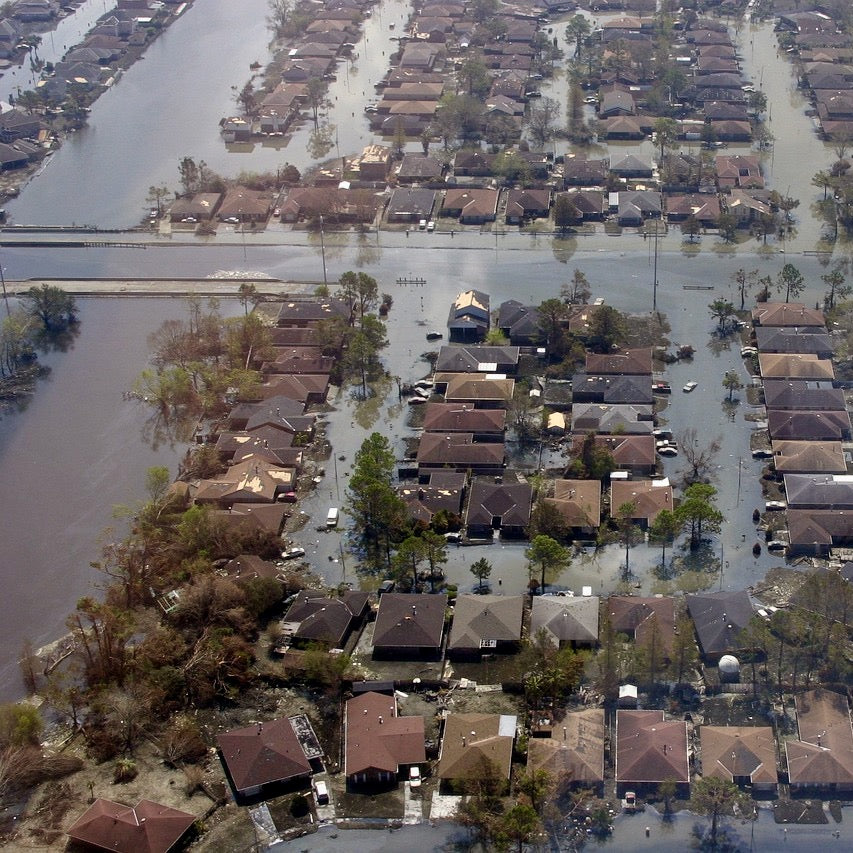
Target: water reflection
564, 247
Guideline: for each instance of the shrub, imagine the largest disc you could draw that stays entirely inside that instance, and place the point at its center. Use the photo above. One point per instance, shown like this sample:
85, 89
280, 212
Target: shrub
124, 771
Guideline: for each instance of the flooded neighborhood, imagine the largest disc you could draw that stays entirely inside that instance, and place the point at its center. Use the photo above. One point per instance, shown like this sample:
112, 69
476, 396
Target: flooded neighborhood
428, 425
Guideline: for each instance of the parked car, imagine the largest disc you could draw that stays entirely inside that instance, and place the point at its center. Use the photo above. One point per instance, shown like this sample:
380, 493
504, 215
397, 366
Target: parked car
293, 553
668, 450
762, 453
422, 225
661, 388
321, 792
430, 226
415, 777
689, 386
775, 505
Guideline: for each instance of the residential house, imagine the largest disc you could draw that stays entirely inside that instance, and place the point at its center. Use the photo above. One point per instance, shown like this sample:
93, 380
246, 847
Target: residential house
473, 163
147, 827
704, 208
579, 504
580, 172
574, 752
479, 389
649, 622
420, 56
625, 127
457, 451
808, 426
819, 491
250, 567
266, 758
816, 531
747, 206
788, 314
792, 339
15, 124
803, 395
503, 507
822, 757
566, 620
588, 205
254, 518
648, 497
616, 102
635, 206
636, 389
522, 205
629, 362
469, 318
252, 480
719, 619
739, 170
732, 131
483, 424
649, 750
521, 324
409, 626
411, 205
316, 618
743, 755
246, 205
373, 164
443, 492
308, 389
333, 204
795, 366
418, 168
379, 744
485, 624
630, 166
633, 453
471, 206
302, 311
472, 744
477, 359
809, 457
612, 418
200, 207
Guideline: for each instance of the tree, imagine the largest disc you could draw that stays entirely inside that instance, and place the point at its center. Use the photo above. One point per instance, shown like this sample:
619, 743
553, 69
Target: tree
684, 651
727, 226
691, 227
535, 784
541, 119
592, 462
629, 533
822, 180
835, 284
713, 797
360, 291
790, 280
552, 315
156, 195
51, 307
721, 310
481, 569
732, 383
667, 791
607, 329
519, 824
757, 102
666, 133
247, 293
189, 175
697, 510
547, 519
474, 76
512, 167
435, 553
664, 529
548, 557
565, 212
700, 457
578, 29
279, 16
246, 98
577, 290
315, 94
744, 282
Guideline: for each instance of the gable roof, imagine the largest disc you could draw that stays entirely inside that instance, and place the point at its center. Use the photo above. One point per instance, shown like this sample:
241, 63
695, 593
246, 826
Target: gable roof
147, 827
471, 739
628, 362
819, 528
628, 451
409, 621
578, 501
485, 617
823, 755
795, 339
649, 749
787, 314
803, 394
476, 359
808, 426
253, 479
820, 491
377, 739
465, 387
575, 751
739, 751
458, 449
719, 618
511, 502
566, 619
463, 417
636, 418
794, 366
262, 753
324, 619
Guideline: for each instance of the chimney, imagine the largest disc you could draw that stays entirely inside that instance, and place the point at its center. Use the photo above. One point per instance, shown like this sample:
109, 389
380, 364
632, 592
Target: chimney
464, 744
380, 719
664, 749
260, 727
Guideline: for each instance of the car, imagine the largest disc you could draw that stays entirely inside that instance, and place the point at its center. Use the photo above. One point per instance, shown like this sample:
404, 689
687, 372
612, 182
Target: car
661, 388
590, 99
770, 506
434, 336
370, 108
386, 586
748, 88
231, 220
668, 450
776, 545
287, 497
745, 351
430, 226
415, 777
598, 301
532, 94
321, 792
453, 536
422, 225
293, 553
762, 453
417, 401
689, 386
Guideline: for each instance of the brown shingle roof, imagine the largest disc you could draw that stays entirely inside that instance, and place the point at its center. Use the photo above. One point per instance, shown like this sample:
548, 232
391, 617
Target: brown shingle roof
739, 751
648, 496
824, 753
786, 314
409, 621
575, 751
471, 739
578, 501
649, 749
463, 417
809, 457
637, 617
485, 617
794, 366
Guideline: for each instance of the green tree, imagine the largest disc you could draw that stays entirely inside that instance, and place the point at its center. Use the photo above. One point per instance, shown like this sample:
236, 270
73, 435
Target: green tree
757, 102
577, 30
714, 797
435, 553
698, 510
519, 824
836, 288
727, 226
246, 99
666, 134
247, 293
547, 558
481, 569
541, 120
553, 314
732, 383
744, 281
512, 167
565, 213
790, 280
629, 533
51, 307
315, 95
607, 329
535, 784
360, 291
591, 461
664, 529
667, 791
722, 311
155, 196
577, 290
685, 655
473, 76
188, 172
691, 227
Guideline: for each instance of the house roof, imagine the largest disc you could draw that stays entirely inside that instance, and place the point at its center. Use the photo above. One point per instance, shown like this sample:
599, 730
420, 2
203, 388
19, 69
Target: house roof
520, 202
808, 426
477, 618
511, 502
476, 359
614, 389
471, 202
266, 517
821, 491
649, 749
575, 751
578, 501
819, 528
621, 363
730, 752
297, 387
809, 457
299, 309
823, 755
459, 449
471, 739
699, 205
263, 753
629, 163
412, 202
444, 492
147, 827
325, 619
612, 418
566, 619
793, 339
639, 617
803, 394
787, 314
628, 451
579, 170
463, 417
250, 566
244, 202
409, 621
719, 618
648, 496
794, 366
253, 479
519, 321
419, 166
463, 387
377, 739
278, 406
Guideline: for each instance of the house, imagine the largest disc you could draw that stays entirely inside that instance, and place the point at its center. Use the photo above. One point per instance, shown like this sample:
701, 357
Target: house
147, 827
566, 620
457, 451
808, 426
788, 314
379, 744
793, 339
633, 453
574, 752
481, 390
588, 388
580, 172
747, 205
822, 757
249, 567
738, 170
416, 168
485, 624
409, 626
612, 418
649, 622
252, 480
630, 166
477, 164
520, 323
254, 518
524, 205
15, 124
819, 491
303, 311
616, 102
420, 56
624, 127
504, 507
333, 204
316, 618
579, 503
795, 366
809, 457
483, 424
719, 619
246, 205
648, 497
743, 755
472, 743
442, 493
265, 758
701, 206
373, 164
635, 206
629, 362
471, 206
650, 749
803, 395
477, 359
588, 205
307, 389
200, 207
469, 318
816, 531
411, 205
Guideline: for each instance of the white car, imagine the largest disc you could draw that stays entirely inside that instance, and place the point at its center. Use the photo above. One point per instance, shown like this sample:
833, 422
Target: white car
415, 777
669, 450
430, 226
689, 386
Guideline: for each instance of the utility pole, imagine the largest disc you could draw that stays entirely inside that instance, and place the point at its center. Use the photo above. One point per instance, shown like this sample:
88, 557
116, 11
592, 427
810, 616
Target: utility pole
655, 279
323, 250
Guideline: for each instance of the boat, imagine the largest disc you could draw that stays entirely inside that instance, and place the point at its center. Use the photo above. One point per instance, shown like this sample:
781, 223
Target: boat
434, 336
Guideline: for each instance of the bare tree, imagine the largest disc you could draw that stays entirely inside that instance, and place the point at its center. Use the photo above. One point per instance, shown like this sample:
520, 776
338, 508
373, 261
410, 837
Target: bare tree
701, 457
